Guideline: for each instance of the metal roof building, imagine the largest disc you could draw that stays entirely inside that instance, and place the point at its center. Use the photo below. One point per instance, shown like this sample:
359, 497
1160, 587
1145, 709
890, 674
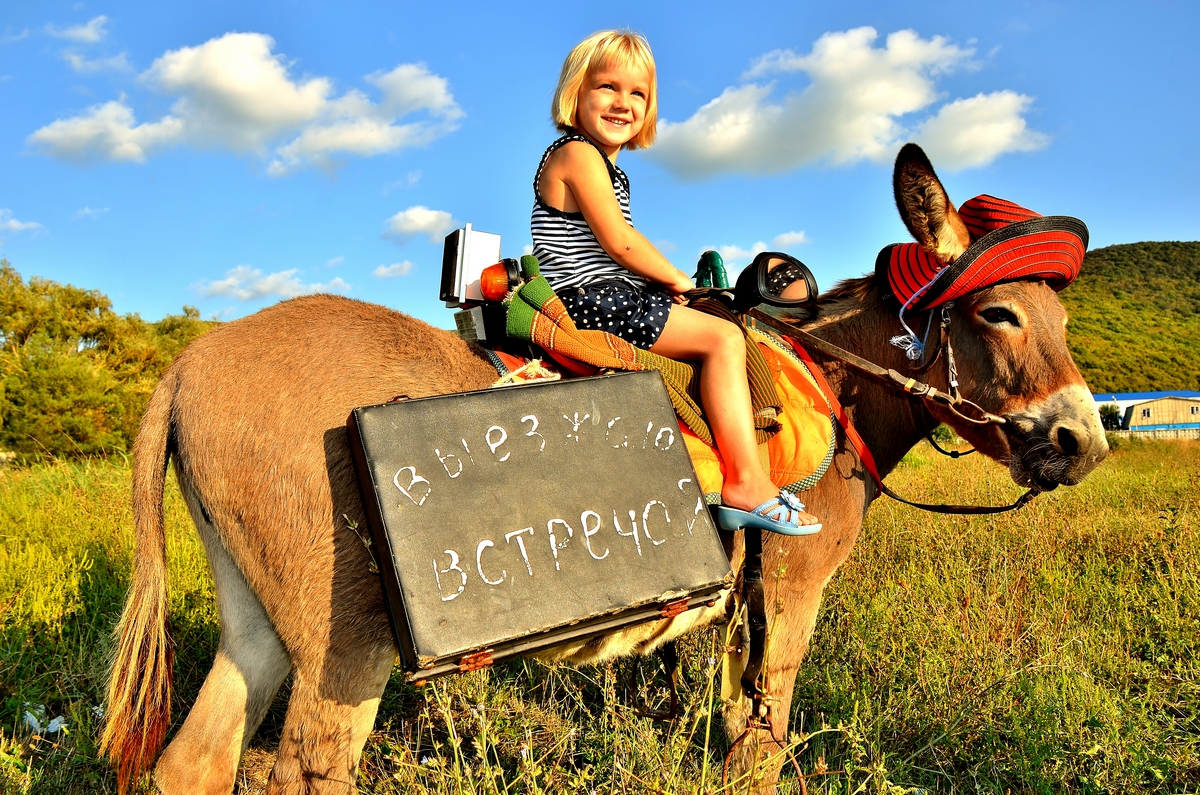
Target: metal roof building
1124, 400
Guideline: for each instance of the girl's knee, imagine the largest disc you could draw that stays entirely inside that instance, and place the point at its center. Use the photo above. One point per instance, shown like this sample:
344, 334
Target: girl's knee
729, 338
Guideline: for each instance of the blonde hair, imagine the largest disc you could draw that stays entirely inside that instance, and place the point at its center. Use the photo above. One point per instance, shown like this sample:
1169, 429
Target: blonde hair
606, 48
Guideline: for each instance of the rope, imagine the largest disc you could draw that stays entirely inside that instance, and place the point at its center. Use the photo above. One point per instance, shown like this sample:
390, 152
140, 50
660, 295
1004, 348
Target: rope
533, 370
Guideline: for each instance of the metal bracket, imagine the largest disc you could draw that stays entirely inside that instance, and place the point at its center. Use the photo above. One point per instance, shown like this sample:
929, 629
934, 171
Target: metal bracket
475, 662
672, 609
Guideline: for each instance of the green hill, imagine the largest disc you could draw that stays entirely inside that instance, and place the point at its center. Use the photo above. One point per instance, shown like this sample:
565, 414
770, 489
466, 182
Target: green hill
1135, 317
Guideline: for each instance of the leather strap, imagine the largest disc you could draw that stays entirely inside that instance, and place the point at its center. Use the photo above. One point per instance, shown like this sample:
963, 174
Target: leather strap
868, 460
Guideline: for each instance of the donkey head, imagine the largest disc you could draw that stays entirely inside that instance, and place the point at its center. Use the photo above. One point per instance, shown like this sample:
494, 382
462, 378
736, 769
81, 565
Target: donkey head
1010, 344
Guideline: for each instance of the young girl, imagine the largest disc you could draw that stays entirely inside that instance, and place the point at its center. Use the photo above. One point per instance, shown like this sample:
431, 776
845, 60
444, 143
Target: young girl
611, 278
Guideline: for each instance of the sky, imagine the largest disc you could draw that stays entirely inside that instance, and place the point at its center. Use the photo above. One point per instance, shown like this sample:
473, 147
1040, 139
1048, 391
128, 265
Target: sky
229, 155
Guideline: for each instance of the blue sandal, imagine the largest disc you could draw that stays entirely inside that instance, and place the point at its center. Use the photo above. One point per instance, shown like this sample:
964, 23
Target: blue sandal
779, 515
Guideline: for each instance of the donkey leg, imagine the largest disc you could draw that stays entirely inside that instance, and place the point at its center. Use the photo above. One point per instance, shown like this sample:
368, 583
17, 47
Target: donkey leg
250, 665
762, 753
330, 715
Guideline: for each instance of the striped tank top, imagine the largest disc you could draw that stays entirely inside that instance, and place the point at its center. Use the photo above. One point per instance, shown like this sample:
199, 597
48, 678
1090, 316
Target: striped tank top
567, 250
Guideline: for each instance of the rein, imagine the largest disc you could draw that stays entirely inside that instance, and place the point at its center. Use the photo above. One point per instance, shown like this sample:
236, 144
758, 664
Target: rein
952, 401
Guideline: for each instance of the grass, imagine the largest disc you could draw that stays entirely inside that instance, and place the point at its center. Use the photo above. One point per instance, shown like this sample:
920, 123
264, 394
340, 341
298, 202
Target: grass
1052, 650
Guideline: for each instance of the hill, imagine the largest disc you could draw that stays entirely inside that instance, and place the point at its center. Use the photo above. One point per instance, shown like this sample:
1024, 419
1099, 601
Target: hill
1135, 317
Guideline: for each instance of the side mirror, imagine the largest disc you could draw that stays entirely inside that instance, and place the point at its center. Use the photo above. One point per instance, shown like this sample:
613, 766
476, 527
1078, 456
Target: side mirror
777, 279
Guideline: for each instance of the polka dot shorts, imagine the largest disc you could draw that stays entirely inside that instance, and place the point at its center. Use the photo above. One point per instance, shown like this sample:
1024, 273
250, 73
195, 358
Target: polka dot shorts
634, 315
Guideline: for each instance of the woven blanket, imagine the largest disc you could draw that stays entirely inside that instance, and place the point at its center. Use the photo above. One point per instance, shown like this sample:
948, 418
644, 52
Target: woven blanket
537, 315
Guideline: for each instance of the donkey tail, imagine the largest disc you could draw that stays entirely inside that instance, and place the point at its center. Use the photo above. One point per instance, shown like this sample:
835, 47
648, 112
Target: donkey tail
139, 688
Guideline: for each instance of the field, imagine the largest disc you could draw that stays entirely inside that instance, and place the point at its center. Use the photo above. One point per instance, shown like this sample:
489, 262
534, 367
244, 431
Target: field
1054, 650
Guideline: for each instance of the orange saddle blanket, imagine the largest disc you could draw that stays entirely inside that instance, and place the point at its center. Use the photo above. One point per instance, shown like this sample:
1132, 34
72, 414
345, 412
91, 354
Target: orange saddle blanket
802, 450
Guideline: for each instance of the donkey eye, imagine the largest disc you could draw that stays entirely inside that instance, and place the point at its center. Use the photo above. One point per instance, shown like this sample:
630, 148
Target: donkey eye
998, 314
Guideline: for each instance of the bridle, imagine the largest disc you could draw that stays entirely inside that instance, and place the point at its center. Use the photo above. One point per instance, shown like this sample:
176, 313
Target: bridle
951, 401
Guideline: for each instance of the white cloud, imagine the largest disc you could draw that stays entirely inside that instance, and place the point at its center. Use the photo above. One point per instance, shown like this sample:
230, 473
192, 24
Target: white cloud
853, 108
91, 33
410, 180
418, 220
393, 270
9, 38
90, 212
788, 239
83, 65
975, 131
333, 262
234, 93
10, 224
737, 253
106, 132
247, 284
527, 250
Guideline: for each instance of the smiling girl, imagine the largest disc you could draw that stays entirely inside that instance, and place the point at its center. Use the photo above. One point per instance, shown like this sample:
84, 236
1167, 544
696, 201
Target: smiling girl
612, 279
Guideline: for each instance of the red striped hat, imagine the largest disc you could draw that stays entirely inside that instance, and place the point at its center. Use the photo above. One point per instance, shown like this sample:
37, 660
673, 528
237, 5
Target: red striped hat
1012, 243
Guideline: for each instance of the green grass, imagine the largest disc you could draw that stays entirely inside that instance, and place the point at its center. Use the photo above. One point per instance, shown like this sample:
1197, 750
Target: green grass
1053, 650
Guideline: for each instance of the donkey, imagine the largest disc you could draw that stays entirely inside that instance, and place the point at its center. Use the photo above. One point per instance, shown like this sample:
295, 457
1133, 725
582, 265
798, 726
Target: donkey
253, 415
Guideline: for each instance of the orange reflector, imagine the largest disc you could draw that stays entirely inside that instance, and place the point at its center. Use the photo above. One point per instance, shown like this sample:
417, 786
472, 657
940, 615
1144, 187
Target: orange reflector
493, 282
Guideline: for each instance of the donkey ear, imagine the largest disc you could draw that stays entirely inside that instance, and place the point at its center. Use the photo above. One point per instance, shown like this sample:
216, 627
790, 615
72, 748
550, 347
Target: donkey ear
926, 209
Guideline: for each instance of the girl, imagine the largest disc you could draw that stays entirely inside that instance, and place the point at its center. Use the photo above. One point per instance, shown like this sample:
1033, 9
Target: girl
611, 278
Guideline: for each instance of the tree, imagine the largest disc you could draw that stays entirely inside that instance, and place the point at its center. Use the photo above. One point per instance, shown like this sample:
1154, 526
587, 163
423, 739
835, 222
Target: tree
74, 375
1110, 417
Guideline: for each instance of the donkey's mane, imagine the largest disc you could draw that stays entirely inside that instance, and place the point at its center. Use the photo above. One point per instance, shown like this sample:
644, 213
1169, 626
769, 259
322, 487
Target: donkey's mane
856, 289
845, 295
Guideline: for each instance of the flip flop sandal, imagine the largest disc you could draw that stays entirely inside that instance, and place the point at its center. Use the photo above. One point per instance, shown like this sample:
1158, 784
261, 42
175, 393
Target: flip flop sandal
778, 515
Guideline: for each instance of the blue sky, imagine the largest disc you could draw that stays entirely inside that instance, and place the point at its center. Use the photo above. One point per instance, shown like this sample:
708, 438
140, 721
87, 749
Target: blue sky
229, 155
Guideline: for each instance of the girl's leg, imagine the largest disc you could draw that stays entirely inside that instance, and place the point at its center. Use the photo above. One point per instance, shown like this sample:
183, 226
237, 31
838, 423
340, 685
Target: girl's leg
720, 347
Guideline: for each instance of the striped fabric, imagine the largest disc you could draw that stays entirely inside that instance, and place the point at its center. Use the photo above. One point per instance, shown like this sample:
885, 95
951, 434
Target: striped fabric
1010, 243
565, 245
985, 213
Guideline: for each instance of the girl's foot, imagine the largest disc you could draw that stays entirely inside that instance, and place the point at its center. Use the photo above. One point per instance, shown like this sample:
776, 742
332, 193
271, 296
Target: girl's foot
749, 495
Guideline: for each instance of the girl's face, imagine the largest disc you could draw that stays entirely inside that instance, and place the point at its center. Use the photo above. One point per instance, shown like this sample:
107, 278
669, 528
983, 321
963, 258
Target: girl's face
612, 105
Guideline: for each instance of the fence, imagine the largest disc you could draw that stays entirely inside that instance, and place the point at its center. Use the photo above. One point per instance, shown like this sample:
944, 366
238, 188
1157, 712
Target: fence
1161, 433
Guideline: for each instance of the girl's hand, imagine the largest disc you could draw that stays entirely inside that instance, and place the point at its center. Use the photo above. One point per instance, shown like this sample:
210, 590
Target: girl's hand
680, 285
677, 288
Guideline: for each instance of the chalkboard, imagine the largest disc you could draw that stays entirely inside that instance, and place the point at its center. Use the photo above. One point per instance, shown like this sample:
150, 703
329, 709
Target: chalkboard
509, 520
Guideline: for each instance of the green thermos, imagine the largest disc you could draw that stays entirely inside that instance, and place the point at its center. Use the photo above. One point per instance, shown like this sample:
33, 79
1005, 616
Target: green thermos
710, 271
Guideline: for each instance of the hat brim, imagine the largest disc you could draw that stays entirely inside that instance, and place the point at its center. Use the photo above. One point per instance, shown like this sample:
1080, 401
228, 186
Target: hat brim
1049, 248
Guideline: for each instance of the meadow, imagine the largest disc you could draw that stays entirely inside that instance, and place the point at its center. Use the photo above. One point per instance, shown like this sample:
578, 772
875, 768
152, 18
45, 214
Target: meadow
1055, 650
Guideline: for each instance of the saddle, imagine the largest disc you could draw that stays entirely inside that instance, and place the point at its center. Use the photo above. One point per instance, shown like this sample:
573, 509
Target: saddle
792, 417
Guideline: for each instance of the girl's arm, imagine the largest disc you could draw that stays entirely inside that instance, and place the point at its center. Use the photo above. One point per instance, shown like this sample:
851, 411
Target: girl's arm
581, 170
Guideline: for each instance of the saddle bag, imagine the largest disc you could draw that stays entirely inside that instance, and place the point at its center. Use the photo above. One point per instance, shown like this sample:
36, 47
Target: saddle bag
508, 521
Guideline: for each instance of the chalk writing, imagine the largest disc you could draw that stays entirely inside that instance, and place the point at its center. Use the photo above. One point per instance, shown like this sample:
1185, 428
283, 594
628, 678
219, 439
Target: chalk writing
587, 534
646, 520
414, 479
444, 458
484, 544
437, 574
624, 439
554, 545
559, 533
508, 537
492, 445
575, 433
533, 430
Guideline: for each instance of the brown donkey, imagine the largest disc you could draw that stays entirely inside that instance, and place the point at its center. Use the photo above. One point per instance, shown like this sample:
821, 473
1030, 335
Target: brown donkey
254, 413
